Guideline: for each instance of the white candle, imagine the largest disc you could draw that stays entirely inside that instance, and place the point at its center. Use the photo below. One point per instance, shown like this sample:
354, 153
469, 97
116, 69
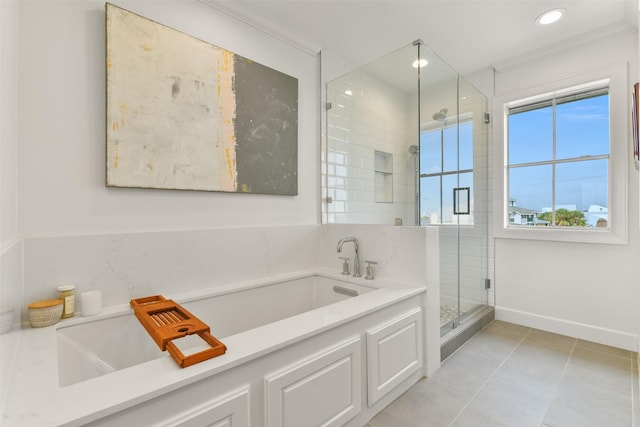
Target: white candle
91, 303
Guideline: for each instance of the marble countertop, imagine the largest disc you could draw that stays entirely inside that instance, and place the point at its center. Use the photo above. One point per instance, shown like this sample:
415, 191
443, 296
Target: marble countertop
33, 396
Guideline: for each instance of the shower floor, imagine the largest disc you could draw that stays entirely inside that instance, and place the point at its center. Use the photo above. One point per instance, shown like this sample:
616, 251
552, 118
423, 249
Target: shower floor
449, 313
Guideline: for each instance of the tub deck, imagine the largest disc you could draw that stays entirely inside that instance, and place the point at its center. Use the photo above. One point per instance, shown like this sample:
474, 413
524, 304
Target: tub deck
101, 346
36, 398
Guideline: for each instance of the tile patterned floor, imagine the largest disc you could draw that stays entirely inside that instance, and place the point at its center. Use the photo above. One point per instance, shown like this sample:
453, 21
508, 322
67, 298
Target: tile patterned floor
448, 314
514, 376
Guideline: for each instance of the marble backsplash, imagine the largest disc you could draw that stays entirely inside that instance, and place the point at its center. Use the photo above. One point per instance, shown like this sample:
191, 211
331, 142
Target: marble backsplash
11, 277
132, 265
401, 252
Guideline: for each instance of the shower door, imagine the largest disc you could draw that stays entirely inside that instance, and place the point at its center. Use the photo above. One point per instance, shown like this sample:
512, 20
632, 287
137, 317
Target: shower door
453, 188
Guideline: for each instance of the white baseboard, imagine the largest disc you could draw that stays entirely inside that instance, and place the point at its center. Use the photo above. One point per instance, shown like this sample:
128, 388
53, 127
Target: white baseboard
619, 339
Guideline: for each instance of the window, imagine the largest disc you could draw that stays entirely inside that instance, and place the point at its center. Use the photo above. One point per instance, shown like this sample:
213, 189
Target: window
446, 164
546, 170
558, 150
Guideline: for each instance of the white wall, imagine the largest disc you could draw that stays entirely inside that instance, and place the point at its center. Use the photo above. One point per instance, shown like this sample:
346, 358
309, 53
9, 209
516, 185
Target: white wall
62, 126
584, 290
10, 244
8, 120
10, 249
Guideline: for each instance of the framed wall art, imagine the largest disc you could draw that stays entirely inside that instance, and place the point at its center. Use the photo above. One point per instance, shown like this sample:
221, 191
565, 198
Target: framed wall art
184, 114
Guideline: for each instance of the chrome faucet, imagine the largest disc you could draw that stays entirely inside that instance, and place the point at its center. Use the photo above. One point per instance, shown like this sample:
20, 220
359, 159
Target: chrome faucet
356, 260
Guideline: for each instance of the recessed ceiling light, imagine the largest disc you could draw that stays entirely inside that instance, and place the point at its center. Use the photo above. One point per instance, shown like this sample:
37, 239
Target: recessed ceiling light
348, 92
419, 63
550, 16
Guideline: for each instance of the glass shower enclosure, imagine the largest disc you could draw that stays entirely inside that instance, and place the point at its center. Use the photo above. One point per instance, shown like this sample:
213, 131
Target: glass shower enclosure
407, 144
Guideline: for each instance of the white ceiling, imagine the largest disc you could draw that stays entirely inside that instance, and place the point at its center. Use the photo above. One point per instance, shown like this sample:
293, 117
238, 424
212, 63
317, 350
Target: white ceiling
470, 35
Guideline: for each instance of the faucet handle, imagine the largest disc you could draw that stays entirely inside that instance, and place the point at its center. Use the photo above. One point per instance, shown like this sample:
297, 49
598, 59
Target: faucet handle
371, 272
345, 265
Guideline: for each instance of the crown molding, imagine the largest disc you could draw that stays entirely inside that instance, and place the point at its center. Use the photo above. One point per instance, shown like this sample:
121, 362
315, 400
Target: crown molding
242, 14
610, 32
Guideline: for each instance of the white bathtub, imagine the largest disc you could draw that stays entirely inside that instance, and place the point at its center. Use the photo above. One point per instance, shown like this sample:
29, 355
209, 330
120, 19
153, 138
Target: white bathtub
107, 371
96, 348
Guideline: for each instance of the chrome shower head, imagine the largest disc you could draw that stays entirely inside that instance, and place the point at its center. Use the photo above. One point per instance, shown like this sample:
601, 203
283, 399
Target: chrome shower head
441, 115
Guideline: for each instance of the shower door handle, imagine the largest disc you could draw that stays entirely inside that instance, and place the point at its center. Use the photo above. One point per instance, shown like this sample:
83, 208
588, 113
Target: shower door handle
462, 207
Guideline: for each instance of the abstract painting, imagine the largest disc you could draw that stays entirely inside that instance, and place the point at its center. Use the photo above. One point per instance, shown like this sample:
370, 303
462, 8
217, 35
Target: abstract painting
187, 115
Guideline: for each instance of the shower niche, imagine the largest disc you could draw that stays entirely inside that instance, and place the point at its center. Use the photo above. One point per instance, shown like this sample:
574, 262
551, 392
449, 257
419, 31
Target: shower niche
406, 143
383, 169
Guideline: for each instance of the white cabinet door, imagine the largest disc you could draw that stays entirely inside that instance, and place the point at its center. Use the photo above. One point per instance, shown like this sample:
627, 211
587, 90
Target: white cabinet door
394, 353
231, 410
322, 390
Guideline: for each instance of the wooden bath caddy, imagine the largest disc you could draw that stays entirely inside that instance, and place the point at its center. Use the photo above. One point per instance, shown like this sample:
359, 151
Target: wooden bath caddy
165, 320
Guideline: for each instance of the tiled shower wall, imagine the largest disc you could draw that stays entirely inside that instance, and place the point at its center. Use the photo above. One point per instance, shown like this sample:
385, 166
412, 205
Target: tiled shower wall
373, 117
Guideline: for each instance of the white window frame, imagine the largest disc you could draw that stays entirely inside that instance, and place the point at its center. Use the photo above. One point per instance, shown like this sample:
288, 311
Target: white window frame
619, 112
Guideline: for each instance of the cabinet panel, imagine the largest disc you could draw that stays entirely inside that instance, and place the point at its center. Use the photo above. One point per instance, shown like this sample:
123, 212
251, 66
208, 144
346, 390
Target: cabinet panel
322, 390
394, 353
231, 410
